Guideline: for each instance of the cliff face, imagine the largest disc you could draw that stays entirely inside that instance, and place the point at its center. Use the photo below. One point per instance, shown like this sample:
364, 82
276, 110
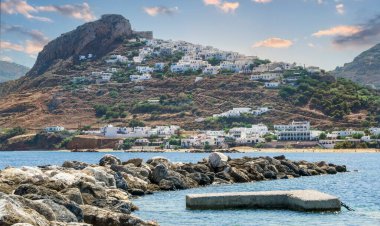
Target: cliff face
98, 38
364, 69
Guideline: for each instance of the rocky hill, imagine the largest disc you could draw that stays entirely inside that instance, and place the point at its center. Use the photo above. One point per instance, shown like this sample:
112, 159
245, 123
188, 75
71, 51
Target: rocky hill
364, 69
61, 90
11, 71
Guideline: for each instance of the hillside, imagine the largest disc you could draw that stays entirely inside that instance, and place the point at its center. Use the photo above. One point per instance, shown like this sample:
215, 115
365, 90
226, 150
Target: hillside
364, 69
11, 71
63, 90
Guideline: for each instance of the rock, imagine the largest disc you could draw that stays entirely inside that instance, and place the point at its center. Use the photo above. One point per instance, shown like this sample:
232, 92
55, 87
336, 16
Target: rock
160, 172
217, 160
109, 160
115, 205
101, 175
331, 170
136, 161
304, 172
159, 160
166, 185
290, 165
62, 214
201, 178
73, 194
280, 157
269, 174
98, 37
91, 192
238, 175
121, 183
101, 217
135, 182
136, 192
38, 192
224, 176
24, 175
341, 169
201, 168
13, 212
75, 165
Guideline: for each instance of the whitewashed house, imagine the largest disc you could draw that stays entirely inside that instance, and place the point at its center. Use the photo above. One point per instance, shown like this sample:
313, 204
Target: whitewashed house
138, 78
347, 133
144, 69
266, 76
51, 129
211, 70
374, 131
271, 84
116, 58
260, 111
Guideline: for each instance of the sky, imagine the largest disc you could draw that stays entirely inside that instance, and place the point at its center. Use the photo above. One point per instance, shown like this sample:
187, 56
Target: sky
324, 33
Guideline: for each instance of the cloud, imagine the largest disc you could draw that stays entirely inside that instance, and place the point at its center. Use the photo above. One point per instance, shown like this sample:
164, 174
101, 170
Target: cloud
311, 45
340, 9
156, 10
6, 58
23, 8
34, 43
341, 30
226, 7
368, 34
273, 43
76, 11
262, 1
33, 34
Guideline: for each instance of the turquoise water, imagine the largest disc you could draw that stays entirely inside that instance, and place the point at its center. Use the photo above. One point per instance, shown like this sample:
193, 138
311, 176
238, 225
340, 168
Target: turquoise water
360, 190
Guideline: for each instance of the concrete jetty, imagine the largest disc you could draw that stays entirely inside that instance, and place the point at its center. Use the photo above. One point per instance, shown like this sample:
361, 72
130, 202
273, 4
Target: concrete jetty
301, 200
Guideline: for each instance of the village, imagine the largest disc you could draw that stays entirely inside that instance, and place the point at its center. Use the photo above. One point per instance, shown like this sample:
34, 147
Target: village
299, 133
144, 64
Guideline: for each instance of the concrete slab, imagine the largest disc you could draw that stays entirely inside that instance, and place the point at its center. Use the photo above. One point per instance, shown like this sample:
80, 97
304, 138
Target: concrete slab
302, 200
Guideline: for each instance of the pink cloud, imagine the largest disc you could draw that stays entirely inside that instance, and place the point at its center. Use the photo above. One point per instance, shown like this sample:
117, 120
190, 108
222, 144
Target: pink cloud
273, 43
341, 30
224, 6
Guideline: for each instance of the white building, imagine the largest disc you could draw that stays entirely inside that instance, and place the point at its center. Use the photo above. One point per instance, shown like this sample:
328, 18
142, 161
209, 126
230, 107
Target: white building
50, 129
211, 70
139, 78
271, 84
374, 131
294, 131
266, 76
347, 133
116, 58
144, 69
313, 69
260, 111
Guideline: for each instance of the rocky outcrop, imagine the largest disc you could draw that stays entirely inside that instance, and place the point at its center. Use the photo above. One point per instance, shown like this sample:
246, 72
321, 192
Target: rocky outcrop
78, 193
97, 38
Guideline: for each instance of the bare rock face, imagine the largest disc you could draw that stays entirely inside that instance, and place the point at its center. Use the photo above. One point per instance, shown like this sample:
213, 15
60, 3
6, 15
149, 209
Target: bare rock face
98, 38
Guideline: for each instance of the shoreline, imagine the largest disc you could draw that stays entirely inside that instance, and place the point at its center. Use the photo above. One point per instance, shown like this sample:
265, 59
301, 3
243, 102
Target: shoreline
233, 150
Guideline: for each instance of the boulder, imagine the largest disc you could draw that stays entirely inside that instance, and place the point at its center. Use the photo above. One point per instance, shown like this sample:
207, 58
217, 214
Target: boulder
201, 178
109, 160
331, 170
159, 160
280, 157
269, 174
238, 175
160, 172
201, 168
101, 217
121, 183
75, 165
341, 169
135, 182
91, 192
61, 213
13, 212
101, 175
217, 160
290, 165
73, 194
135, 161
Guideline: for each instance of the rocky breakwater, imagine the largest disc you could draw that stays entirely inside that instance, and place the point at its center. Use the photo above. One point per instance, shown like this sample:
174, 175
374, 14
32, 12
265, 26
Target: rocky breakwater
78, 193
